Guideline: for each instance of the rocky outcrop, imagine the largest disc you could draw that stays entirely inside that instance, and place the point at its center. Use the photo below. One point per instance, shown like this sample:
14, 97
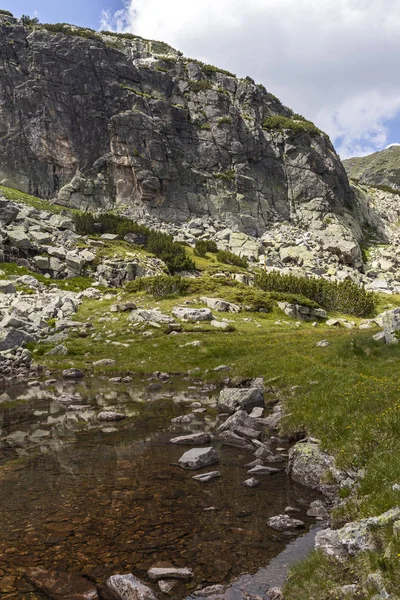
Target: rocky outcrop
111, 121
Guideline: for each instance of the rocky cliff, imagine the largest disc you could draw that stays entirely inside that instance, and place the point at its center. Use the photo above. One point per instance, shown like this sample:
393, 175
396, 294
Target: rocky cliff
96, 120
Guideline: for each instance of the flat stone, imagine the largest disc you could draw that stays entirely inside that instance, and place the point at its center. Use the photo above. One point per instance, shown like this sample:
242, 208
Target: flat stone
184, 574
251, 482
192, 440
193, 315
109, 415
105, 362
59, 585
129, 587
228, 438
204, 477
182, 419
197, 458
262, 470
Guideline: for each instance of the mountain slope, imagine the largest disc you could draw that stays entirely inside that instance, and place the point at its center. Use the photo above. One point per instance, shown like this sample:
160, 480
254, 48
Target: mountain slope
95, 120
378, 169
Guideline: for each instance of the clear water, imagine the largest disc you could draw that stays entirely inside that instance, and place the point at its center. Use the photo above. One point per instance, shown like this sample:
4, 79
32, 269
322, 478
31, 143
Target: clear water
100, 499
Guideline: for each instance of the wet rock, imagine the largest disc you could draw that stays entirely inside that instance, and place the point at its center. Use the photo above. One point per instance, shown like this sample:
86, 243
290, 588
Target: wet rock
167, 585
129, 587
238, 421
183, 419
262, 470
251, 482
109, 415
318, 510
197, 458
265, 454
192, 439
204, 477
311, 467
228, 438
192, 315
72, 373
284, 522
59, 585
155, 574
211, 590
233, 399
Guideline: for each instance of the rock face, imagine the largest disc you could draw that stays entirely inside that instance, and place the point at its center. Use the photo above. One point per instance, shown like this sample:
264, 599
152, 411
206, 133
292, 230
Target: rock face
127, 124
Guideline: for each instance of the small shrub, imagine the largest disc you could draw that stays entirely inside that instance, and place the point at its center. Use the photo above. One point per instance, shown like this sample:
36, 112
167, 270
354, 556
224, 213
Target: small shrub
293, 299
224, 121
344, 296
68, 30
252, 298
229, 258
206, 126
203, 246
202, 85
296, 125
160, 286
6, 12
28, 21
228, 175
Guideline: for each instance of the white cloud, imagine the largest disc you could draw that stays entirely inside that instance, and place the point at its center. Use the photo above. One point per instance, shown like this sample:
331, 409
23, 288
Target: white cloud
335, 61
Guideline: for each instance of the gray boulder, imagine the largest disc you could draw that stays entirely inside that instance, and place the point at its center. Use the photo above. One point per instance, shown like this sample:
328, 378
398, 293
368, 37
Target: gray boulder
192, 439
193, 315
391, 325
312, 467
7, 287
284, 522
233, 399
144, 316
197, 458
220, 305
8, 211
129, 587
110, 415
155, 574
11, 338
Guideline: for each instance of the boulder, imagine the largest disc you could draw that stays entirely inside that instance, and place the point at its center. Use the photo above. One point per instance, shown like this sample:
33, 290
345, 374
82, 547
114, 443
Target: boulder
233, 399
312, 467
8, 211
129, 587
142, 316
19, 238
11, 338
197, 458
284, 523
192, 440
220, 305
228, 438
72, 373
59, 585
192, 315
110, 415
7, 287
391, 325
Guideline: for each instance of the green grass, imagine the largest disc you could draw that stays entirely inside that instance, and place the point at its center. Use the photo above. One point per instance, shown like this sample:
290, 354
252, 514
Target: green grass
17, 196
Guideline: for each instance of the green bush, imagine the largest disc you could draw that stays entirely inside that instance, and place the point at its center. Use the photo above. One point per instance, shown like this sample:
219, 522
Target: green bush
160, 286
203, 246
224, 121
344, 296
68, 30
297, 125
228, 175
293, 299
160, 244
252, 298
27, 21
201, 85
229, 258
6, 12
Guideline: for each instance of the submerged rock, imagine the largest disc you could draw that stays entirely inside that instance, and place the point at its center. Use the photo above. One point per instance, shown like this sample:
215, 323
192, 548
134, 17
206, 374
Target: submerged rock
59, 585
155, 574
204, 477
129, 587
196, 458
192, 439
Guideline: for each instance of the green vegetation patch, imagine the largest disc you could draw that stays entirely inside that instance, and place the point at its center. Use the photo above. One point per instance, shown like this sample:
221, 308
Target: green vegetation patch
6, 12
344, 296
278, 122
203, 246
201, 85
17, 196
162, 245
230, 258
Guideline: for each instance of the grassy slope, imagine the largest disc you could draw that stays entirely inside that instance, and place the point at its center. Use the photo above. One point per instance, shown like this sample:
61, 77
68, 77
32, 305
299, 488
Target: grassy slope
376, 169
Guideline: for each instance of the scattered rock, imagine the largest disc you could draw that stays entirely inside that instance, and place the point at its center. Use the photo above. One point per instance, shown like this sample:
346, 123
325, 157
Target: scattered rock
192, 315
251, 482
155, 574
284, 522
204, 477
192, 440
233, 399
197, 458
109, 415
72, 373
129, 587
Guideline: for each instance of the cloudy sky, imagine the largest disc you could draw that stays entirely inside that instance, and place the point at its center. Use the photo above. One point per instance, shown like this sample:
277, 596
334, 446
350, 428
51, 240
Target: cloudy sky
334, 61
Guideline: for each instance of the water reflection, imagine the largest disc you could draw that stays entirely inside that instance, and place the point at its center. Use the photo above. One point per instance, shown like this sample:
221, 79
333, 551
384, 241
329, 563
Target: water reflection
102, 498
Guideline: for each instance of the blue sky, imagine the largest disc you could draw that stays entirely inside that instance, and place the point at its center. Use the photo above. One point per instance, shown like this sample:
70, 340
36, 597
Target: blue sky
334, 61
79, 12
